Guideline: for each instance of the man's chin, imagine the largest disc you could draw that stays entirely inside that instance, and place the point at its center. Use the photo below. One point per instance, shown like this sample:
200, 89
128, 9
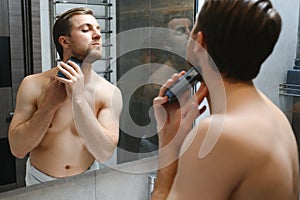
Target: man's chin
94, 55
92, 59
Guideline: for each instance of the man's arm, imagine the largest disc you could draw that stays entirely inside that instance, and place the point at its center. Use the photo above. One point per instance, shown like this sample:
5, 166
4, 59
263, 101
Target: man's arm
174, 122
100, 134
176, 127
30, 121
165, 177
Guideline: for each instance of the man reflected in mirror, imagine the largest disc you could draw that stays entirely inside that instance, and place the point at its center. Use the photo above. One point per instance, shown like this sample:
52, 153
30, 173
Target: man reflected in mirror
68, 123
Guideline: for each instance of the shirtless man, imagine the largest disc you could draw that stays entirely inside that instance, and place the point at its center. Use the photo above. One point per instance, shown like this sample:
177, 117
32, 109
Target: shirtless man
67, 123
255, 155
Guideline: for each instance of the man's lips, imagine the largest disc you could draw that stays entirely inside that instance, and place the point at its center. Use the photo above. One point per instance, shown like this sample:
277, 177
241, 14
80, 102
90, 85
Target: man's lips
96, 44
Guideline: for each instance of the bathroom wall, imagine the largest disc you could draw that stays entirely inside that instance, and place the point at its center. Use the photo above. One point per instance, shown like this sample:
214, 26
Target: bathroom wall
46, 36
298, 43
12, 68
275, 68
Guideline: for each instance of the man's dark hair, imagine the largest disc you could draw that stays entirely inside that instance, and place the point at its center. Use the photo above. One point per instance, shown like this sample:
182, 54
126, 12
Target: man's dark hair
239, 34
63, 25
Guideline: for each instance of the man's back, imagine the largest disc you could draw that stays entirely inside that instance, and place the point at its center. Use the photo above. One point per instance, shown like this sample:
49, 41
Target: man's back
255, 156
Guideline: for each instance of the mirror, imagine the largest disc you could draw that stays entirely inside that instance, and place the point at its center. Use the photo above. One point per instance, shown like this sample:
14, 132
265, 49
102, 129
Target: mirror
151, 54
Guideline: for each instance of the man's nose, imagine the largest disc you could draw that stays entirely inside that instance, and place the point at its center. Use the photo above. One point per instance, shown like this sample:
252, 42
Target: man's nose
97, 34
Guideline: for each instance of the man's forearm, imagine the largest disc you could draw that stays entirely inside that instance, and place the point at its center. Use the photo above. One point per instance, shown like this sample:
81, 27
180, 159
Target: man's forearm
26, 136
164, 181
97, 139
167, 163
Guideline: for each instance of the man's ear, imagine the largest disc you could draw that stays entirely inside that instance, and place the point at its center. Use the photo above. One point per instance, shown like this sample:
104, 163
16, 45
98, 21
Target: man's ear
63, 41
200, 39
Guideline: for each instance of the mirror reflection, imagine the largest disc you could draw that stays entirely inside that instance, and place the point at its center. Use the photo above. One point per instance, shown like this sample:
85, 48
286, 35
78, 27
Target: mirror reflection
150, 64
58, 147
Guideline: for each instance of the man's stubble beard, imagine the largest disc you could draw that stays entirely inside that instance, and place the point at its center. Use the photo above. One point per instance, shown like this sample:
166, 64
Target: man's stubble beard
93, 54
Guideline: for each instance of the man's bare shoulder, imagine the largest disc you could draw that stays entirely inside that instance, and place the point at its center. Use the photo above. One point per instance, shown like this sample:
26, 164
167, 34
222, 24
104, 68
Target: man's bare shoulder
247, 134
33, 83
104, 84
239, 155
107, 94
213, 159
218, 135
